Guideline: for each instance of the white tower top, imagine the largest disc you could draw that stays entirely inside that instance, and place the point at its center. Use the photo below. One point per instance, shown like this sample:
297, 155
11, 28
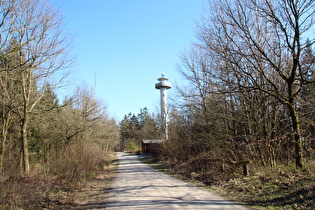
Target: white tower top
163, 82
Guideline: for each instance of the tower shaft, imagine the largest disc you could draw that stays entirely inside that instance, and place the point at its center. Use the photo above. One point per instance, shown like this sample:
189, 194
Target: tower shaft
163, 85
164, 113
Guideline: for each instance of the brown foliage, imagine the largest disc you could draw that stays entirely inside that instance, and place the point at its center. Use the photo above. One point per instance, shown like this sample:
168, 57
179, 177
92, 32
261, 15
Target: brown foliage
18, 190
78, 162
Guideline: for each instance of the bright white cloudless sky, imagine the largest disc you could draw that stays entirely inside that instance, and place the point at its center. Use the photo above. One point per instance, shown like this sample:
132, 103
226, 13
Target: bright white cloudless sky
127, 44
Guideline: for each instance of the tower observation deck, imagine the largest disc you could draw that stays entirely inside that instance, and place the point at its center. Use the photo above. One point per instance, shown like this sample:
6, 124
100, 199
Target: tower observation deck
163, 83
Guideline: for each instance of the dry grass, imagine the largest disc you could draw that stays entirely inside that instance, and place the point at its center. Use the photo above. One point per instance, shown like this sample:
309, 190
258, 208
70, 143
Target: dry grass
78, 163
266, 188
46, 188
276, 188
22, 191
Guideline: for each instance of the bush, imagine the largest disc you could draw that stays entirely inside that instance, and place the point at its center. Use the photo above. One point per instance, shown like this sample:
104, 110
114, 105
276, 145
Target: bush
78, 161
132, 147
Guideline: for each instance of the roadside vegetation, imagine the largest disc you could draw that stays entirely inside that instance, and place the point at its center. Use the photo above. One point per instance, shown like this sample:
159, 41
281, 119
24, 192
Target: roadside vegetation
281, 187
48, 148
278, 188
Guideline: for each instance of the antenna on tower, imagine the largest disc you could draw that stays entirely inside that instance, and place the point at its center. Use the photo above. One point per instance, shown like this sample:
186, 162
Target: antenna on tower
94, 85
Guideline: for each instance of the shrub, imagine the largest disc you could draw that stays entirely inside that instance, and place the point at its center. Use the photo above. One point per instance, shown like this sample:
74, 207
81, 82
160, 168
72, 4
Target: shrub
78, 161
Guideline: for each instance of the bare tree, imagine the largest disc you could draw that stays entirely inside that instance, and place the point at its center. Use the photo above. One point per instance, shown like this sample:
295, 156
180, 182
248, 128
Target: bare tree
261, 41
85, 119
88, 136
35, 27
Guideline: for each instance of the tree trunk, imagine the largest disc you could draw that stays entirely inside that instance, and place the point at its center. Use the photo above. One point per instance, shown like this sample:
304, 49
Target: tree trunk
2, 151
25, 155
299, 161
7, 119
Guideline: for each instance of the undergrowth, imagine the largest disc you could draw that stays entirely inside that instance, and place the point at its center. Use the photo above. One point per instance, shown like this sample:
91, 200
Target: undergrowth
47, 188
265, 188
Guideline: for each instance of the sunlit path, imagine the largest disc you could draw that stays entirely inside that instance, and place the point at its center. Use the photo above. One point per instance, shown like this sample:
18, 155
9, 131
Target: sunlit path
138, 186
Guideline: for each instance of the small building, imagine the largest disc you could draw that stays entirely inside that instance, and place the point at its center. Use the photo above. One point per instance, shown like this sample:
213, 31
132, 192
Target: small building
151, 146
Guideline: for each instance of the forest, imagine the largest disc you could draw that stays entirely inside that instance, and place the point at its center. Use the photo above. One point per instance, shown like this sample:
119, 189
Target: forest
250, 85
45, 142
247, 100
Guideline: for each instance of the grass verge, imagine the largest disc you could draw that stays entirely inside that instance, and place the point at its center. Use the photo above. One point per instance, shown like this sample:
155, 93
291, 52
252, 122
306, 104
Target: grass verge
266, 188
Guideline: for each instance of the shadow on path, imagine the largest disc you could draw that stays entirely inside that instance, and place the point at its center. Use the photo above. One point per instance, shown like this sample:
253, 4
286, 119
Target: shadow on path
138, 186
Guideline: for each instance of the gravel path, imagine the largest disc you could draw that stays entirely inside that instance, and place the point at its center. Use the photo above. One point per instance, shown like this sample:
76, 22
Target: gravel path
138, 186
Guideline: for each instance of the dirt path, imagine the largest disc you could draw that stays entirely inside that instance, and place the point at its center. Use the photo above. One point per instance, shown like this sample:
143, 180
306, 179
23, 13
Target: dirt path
138, 186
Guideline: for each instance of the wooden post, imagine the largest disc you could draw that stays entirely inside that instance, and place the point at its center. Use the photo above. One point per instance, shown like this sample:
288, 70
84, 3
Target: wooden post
245, 168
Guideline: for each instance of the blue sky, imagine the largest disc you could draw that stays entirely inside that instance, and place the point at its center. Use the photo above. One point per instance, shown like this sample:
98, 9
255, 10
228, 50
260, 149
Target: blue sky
127, 44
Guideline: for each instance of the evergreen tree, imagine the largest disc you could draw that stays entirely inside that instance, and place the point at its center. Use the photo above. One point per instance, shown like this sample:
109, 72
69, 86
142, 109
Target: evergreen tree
135, 128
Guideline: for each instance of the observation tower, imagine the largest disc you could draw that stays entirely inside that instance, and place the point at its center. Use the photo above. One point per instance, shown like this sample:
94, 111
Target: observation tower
163, 85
